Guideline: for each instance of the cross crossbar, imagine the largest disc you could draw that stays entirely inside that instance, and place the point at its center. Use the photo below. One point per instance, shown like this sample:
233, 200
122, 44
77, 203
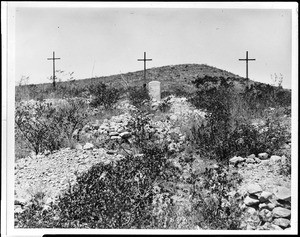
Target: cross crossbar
53, 58
247, 59
145, 59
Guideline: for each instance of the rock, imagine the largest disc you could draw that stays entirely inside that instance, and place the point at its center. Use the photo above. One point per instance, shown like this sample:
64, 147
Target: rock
115, 138
271, 206
266, 215
251, 156
243, 207
250, 160
125, 135
275, 227
18, 209
78, 146
139, 155
265, 196
283, 193
282, 222
20, 201
257, 160
250, 201
264, 162
173, 117
269, 226
262, 206
250, 227
47, 152
281, 212
275, 159
284, 159
88, 146
263, 156
254, 188
236, 159
251, 211
113, 134
111, 152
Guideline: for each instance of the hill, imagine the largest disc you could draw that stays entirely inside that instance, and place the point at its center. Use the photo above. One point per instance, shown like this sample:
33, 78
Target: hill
172, 78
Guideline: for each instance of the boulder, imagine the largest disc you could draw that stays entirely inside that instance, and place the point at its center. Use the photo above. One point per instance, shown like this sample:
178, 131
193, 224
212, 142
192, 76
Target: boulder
282, 193
88, 146
263, 156
282, 222
275, 159
265, 196
236, 159
250, 201
266, 215
281, 212
254, 188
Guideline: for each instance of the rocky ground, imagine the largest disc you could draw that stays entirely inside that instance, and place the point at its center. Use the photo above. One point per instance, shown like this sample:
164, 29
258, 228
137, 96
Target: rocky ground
267, 198
267, 193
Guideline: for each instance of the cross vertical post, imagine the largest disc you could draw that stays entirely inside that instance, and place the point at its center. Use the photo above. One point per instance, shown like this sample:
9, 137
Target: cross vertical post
145, 59
53, 67
247, 59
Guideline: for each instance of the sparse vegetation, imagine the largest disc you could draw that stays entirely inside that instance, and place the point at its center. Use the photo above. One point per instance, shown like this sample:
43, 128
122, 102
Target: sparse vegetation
103, 95
153, 186
47, 126
139, 96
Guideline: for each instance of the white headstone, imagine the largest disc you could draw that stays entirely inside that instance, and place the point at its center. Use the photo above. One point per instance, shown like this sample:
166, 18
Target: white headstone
154, 90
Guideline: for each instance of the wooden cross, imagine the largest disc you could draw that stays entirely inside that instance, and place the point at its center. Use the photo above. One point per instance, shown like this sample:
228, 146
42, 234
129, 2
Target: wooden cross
145, 59
53, 67
247, 59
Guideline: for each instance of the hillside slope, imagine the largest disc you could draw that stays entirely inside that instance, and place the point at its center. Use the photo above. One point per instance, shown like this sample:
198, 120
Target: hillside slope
171, 76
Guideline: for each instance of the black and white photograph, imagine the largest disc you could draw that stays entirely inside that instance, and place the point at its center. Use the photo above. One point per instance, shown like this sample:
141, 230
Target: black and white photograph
148, 117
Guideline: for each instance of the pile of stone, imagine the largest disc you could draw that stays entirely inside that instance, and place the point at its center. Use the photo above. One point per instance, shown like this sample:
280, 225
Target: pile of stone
252, 160
114, 129
266, 210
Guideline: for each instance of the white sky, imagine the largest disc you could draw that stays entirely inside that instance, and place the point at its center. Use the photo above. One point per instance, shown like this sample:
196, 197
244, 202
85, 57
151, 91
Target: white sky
112, 39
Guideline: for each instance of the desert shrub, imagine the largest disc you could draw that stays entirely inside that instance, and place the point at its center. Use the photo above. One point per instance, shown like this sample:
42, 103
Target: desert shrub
165, 105
48, 127
215, 204
261, 96
119, 194
286, 167
37, 215
138, 96
103, 95
228, 130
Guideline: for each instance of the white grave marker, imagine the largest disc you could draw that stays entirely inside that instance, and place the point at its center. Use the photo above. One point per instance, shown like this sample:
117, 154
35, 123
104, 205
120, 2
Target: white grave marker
154, 90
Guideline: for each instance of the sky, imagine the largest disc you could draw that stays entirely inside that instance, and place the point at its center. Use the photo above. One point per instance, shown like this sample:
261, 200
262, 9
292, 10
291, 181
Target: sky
106, 41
